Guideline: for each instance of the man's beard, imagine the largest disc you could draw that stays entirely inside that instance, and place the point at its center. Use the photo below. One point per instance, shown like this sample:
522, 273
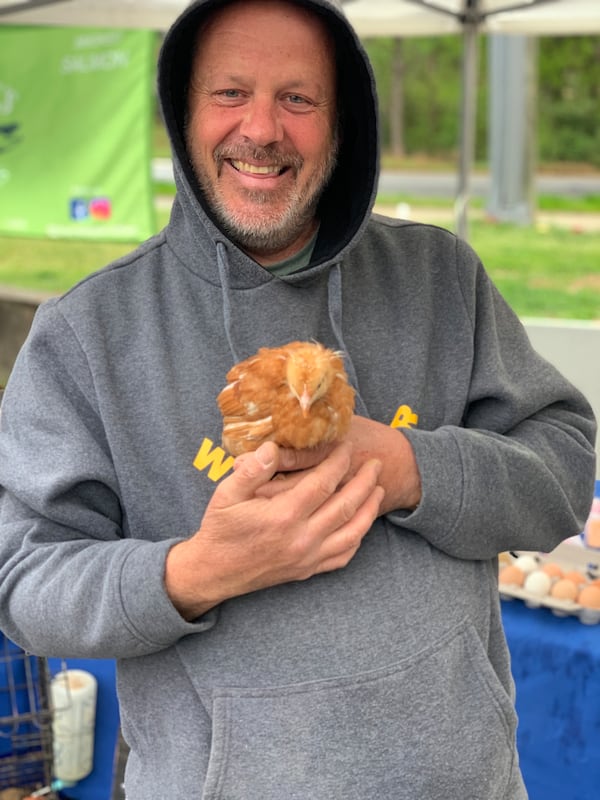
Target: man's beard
272, 228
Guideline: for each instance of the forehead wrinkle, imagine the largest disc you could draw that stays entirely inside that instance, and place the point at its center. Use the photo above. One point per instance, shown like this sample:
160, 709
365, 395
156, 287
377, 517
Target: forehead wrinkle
212, 29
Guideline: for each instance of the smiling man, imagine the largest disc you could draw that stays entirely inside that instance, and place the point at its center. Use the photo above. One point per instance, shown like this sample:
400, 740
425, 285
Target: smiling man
262, 131
320, 624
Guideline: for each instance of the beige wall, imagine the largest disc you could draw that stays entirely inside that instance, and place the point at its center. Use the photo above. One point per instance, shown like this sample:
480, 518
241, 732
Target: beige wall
574, 348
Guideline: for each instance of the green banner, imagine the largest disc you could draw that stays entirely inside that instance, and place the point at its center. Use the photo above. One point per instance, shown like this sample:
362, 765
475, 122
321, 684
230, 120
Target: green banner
76, 109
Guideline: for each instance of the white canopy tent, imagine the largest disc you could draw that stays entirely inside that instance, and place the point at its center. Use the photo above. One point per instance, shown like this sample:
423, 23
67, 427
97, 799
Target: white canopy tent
153, 14
370, 17
401, 18
430, 17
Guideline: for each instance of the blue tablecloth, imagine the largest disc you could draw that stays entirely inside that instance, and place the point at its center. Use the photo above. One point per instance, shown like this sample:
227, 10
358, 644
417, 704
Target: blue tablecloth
556, 667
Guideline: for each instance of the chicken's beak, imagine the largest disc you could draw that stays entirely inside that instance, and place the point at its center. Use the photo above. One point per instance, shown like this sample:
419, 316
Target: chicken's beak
305, 402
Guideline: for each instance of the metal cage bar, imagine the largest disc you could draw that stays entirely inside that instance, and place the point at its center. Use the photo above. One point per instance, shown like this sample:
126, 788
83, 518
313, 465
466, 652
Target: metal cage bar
26, 747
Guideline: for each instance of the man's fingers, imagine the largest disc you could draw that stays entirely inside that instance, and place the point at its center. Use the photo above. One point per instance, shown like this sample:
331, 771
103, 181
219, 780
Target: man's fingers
295, 460
250, 472
343, 506
319, 484
293, 468
281, 482
339, 548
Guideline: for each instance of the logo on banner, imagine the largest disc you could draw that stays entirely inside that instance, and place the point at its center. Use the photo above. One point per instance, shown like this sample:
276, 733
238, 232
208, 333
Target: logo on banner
98, 209
10, 129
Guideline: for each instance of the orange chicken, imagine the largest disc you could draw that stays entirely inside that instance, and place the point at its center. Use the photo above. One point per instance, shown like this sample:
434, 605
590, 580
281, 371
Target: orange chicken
296, 395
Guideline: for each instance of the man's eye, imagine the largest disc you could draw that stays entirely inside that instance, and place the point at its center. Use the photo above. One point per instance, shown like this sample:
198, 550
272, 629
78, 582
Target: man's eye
298, 102
229, 93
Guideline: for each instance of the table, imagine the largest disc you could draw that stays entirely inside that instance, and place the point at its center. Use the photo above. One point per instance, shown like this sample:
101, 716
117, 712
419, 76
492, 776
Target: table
556, 667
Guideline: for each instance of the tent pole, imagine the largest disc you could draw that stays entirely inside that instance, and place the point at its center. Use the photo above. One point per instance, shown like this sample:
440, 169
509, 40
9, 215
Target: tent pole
468, 125
26, 5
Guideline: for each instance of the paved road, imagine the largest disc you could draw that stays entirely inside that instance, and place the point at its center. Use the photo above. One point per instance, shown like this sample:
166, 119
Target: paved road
442, 184
431, 184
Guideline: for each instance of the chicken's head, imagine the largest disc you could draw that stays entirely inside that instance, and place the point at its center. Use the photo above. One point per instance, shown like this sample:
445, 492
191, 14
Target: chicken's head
310, 371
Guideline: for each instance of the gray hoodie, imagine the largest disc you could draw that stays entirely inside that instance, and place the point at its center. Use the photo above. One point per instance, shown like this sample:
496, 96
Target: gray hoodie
387, 680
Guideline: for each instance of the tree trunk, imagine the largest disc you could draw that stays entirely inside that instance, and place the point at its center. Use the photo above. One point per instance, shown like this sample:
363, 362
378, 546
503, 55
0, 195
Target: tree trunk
397, 100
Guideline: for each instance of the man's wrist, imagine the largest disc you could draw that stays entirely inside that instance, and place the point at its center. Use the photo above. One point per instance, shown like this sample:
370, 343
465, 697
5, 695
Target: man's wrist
184, 586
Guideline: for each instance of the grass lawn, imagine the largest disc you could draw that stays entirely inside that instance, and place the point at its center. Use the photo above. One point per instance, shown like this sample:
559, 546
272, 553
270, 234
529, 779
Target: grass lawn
545, 273
50, 265
548, 272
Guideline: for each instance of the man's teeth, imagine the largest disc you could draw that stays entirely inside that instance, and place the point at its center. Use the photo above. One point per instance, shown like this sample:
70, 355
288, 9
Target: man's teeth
254, 170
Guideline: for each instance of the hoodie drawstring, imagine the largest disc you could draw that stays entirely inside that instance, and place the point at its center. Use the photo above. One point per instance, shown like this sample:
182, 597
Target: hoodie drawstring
335, 306
226, 292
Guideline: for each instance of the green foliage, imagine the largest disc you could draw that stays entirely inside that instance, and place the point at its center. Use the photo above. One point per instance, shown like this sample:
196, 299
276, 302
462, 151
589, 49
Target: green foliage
569, 99
568, 95
432, 90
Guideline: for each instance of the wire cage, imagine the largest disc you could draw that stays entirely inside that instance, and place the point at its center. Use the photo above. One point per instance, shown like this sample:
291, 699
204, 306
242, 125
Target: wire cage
26, 747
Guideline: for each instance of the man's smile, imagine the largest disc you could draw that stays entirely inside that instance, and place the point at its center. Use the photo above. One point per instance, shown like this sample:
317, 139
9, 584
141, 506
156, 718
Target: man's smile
254, 169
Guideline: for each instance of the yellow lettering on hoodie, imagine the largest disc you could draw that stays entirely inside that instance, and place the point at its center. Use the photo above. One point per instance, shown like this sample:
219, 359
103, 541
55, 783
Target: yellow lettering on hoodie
214, 458
405, 418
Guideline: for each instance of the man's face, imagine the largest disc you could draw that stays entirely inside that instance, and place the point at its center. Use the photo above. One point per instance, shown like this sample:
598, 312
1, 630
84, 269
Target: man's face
261, 130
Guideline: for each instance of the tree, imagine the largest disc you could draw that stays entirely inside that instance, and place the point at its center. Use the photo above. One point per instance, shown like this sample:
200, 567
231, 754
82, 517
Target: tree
397, 99
569, 99
419, 85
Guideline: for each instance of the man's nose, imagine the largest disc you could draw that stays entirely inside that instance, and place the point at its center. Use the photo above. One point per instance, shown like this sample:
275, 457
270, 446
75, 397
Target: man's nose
261, 122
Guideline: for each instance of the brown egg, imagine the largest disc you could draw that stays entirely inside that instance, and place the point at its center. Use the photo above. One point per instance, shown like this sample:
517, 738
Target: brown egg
511, 575
589, 597
577, 577
553, 570
564, 589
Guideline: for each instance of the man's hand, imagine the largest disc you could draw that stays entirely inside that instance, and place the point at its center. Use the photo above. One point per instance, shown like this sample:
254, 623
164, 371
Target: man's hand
247, 541
399, 476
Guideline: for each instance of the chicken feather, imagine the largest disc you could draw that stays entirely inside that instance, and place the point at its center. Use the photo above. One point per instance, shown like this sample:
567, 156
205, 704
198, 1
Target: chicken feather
296, 395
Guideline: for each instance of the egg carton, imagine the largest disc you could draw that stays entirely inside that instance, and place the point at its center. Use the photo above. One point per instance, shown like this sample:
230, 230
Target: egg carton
570, 555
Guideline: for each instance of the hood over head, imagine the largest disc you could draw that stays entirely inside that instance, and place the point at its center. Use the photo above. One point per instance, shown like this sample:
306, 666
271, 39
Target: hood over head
349, 197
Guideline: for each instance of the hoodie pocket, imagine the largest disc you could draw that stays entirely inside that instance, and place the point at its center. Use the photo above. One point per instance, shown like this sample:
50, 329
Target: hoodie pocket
433, 726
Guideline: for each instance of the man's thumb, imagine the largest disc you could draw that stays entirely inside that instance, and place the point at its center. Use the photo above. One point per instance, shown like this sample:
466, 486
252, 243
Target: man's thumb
250, 471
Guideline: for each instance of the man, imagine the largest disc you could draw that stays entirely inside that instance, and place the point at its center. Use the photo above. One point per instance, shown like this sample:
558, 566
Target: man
335, 632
